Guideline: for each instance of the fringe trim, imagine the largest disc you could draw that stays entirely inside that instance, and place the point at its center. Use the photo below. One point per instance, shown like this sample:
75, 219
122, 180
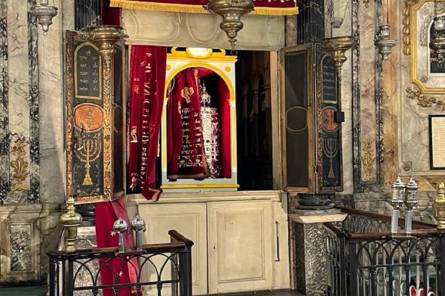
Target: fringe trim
189, 8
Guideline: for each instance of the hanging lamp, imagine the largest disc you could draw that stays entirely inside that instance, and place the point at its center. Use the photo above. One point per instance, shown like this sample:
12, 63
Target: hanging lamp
231, 12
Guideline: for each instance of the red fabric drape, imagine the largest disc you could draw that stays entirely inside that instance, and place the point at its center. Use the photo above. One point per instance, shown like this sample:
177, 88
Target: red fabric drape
185, 101
106, 214
110, 15
185, 93
147, 82
224, 109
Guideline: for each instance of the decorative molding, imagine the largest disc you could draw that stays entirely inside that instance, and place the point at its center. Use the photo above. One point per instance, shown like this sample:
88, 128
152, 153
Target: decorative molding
406, 29
423, 100
366, 3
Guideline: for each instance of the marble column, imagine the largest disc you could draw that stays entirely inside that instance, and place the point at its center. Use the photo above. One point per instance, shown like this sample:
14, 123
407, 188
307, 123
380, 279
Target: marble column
309, 263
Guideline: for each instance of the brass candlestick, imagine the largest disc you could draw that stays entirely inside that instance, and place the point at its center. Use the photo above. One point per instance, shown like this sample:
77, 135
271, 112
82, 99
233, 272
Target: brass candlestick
338, 46
439, 207
70, 221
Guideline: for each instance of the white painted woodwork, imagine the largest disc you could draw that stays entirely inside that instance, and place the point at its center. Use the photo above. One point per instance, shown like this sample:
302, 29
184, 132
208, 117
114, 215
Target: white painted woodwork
240, 253
281, 268
235, 235
190, 221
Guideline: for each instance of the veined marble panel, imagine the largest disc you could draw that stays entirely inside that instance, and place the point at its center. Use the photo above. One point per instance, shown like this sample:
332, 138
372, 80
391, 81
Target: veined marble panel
4, 139
201, 30
50, 57
20, 247
33, 103
367, 92
18, 101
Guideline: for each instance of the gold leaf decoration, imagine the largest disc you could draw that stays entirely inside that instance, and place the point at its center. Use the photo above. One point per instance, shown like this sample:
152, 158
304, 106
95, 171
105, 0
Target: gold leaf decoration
19, 166
423, 100
368, 159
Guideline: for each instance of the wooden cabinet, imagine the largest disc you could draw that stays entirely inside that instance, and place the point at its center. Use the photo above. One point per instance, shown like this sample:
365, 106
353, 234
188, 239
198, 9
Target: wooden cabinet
189, 220
240, 255
241, 244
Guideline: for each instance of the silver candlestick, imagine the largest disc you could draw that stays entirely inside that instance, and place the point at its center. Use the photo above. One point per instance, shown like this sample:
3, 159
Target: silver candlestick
120, 227
138, 225
398, 190
411, 204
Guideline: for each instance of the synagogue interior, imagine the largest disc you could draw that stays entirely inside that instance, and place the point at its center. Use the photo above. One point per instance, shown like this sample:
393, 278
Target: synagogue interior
222, 147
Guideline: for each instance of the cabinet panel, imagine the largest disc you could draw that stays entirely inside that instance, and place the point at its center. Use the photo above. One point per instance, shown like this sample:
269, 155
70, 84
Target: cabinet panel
189, 220
240, 253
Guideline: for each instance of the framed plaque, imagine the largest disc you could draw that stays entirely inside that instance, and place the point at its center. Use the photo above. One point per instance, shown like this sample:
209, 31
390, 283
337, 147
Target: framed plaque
437, 141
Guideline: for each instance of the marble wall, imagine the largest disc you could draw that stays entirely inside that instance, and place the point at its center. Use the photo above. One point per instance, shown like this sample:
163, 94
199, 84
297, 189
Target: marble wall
416, 100
31, 137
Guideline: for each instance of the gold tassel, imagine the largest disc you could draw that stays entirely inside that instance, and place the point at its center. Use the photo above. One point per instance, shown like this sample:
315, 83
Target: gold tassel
189, 8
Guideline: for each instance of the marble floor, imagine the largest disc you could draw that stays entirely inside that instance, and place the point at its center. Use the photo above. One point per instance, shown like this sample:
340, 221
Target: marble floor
41, 291
21, 291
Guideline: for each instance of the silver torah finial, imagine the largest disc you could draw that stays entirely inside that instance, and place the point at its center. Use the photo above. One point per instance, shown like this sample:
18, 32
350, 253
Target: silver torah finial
411, 204
398, 190
120, 227
138, 225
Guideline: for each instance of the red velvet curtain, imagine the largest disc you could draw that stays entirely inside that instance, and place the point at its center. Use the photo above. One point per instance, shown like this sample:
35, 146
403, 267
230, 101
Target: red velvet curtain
224, 109
185, 93
110, 15
147, 82
106, 214
185, 101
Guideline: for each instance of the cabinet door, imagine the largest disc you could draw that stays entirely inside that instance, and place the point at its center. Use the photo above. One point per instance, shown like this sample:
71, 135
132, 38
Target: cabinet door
189, 219
240, 240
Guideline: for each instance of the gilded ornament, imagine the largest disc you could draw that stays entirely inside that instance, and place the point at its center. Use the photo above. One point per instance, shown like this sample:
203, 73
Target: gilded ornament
423, 100
406, 30
19, 166
368, 160
70, 221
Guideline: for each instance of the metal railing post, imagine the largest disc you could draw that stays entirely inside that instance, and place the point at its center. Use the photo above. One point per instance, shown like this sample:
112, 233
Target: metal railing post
441, 254
342, 267
52, 278
353, 268
185, 270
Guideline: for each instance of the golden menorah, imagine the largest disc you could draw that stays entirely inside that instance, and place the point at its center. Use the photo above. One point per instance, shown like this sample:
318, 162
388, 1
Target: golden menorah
330, 148
88, 150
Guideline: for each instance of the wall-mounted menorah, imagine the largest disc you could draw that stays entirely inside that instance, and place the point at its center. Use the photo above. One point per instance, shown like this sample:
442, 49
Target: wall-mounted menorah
88, 150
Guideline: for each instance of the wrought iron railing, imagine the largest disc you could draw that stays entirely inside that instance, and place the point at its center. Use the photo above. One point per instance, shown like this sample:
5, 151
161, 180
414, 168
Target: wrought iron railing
156, 269
367, 260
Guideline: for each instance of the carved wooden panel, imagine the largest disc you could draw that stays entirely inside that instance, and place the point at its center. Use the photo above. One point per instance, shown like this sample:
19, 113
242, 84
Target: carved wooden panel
187, 219
240, 257
94, 120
